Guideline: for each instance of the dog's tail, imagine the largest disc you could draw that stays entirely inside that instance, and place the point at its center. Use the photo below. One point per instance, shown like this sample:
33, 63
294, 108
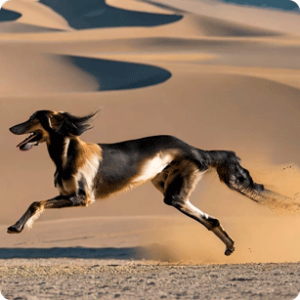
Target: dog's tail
237, 178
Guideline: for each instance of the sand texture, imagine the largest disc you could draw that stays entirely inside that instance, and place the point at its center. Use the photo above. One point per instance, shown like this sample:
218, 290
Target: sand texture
136, 281
216, 75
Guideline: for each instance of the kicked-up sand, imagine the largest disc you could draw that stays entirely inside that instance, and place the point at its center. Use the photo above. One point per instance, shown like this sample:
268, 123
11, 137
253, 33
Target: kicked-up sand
216, 75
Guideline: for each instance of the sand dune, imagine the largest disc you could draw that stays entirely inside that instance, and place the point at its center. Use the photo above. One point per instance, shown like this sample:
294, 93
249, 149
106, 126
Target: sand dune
210, 26
275, 20
216, 75
136, 5
79, 74
95, 14
33, 13
118, 75
8, 15
268, 3
21, 76
9, 27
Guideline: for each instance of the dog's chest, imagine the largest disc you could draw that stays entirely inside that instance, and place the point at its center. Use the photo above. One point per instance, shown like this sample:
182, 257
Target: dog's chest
82, 180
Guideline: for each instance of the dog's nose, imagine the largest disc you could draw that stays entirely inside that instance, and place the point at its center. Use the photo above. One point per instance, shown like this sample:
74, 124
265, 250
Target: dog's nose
14, 130
11, 129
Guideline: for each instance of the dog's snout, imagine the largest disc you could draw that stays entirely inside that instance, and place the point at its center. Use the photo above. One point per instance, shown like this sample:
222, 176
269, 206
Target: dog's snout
13, 130
18, 129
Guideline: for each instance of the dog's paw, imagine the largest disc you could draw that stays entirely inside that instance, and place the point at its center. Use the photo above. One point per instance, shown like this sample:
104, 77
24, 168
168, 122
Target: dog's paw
14, 229
229, 251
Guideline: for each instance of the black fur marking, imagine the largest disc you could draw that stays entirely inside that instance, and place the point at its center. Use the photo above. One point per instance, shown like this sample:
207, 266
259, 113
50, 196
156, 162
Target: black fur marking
108, 180
20, 128
15, 229
232, 173
173, 193
162, 184
73, 125
55, 149
214, 222
81, 187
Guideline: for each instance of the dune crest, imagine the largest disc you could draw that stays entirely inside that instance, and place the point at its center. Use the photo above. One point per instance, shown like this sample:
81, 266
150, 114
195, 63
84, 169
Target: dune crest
91, 14
34, 14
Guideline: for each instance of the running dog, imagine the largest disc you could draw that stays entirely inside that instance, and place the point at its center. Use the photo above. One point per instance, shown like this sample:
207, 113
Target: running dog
86, 171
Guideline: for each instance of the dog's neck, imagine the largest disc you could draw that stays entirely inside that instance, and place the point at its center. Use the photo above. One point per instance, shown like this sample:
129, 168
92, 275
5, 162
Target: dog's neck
63, 150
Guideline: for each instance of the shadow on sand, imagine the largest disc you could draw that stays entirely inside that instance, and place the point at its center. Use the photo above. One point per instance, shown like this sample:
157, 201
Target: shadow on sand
96, 13
8, 15
277, 4
115, 75
136, 253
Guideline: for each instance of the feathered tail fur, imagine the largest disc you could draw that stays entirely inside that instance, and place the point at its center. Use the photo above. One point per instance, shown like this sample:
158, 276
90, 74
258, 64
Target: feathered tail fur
237, 178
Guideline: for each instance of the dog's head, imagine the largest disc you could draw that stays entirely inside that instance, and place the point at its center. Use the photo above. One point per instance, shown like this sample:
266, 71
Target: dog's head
46, 124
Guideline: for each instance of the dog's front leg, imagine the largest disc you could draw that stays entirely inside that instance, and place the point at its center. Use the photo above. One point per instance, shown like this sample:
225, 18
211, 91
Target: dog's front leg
36, 209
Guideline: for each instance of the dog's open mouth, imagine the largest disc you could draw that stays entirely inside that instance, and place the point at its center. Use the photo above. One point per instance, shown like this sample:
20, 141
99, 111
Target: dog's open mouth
28, 143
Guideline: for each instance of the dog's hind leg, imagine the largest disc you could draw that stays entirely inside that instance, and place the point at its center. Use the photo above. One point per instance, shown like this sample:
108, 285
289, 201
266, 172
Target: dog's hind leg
37, 208
177, 189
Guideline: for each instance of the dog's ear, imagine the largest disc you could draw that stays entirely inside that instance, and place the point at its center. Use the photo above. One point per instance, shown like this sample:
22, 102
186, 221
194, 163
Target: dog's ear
69, 125
55, 121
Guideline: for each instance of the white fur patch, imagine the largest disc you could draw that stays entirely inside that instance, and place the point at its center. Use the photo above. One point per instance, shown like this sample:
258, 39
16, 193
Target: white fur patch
31, 220
152, 167
65, 152
196, 209
89, 171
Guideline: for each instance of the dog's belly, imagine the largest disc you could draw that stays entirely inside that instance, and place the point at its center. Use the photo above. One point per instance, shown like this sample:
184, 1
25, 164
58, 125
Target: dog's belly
146, 170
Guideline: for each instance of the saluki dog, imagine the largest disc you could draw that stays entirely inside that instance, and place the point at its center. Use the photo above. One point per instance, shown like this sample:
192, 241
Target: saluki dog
87, 171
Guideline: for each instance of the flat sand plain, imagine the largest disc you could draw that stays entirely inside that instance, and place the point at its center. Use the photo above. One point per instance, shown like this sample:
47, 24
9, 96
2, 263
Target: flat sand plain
216, 75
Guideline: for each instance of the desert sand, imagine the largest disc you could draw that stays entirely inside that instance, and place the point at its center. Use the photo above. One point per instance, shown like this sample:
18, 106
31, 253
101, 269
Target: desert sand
216, 75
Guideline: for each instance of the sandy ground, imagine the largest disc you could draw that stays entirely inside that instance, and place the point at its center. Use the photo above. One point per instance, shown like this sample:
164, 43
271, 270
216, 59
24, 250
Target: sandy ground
137, 281
216, 75
149, 258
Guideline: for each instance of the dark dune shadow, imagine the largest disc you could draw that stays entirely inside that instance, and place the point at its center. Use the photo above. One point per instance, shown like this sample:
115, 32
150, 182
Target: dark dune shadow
96, 13
78, 252
114, 75
70, 252
277, 4
8, 15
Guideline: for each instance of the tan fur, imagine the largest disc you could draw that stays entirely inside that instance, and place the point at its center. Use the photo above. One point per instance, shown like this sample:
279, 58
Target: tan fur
182, 167
36, 126
54, 119
68, 186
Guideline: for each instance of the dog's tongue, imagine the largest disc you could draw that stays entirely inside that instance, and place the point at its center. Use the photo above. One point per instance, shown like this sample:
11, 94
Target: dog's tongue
25, 147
